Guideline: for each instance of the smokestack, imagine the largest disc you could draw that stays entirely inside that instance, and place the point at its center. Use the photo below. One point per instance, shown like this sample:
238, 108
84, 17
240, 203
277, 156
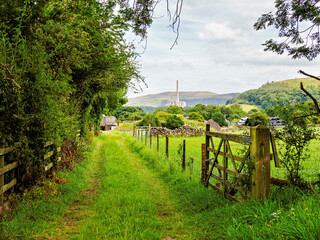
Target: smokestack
177, 100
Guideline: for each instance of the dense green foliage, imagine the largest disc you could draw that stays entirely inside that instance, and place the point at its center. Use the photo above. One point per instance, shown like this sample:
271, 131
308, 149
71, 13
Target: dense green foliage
173, 121
230, 113
268, 97
62, 64
200, 112
128, 113
257, 118
196, 116
149, 119
294, 138
219, 118
174, 110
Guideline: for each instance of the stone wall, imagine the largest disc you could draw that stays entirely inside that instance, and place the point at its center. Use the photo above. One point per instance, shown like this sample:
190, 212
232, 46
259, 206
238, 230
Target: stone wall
182, 131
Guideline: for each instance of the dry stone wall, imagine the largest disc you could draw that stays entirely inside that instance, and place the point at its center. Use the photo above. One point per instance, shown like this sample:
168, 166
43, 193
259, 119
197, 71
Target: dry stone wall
185, 130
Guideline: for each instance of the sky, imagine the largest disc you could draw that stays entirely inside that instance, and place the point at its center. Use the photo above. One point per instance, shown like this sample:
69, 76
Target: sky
218, 50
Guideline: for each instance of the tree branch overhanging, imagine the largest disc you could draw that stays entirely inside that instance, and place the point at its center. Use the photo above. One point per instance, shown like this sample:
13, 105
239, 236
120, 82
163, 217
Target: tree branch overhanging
308, 75
316, 104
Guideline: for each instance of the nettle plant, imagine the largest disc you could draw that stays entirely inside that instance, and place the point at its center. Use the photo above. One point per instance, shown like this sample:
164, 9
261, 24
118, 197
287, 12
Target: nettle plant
294, 138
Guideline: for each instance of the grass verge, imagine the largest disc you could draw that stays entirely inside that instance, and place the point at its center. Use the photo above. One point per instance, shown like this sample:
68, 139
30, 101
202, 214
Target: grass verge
289, 213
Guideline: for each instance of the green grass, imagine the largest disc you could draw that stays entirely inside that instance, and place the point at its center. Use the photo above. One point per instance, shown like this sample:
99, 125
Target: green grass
310, 171
125, 190
287, 214
125, 126
292, 83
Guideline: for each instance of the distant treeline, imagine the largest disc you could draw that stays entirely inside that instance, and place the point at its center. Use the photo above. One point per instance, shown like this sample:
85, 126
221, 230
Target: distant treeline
269, 97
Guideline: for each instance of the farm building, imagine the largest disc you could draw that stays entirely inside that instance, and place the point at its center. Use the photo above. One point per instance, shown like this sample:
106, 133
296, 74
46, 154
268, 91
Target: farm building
108, 123
276, 122
244, 121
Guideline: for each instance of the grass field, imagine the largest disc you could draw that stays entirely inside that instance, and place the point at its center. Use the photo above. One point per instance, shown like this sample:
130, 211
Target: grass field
247, 107
289, 213
125, 190
310, 171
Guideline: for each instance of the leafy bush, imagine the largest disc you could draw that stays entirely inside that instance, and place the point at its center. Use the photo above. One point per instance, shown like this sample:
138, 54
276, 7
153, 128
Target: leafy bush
173, 121
219, 118
149, 119
134, 116
295, 138
174, 110
257, 118
162, 116
196, 116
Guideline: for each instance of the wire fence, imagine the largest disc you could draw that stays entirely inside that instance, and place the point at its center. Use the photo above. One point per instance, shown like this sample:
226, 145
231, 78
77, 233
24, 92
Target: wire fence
174, 149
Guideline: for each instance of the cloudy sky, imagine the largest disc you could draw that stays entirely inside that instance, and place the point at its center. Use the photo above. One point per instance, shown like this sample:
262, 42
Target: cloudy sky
218, 50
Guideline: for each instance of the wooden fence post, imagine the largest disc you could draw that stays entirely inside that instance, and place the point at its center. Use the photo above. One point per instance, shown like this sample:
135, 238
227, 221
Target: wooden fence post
184, 155
204, 165
207, 153
150, 140
1, 176
260, 157
225, 167
134, 130
157, 142
167, 146
146, 137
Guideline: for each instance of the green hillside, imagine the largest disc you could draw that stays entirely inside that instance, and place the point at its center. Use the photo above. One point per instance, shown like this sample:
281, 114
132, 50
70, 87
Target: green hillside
191, 98
291, 83
272, 93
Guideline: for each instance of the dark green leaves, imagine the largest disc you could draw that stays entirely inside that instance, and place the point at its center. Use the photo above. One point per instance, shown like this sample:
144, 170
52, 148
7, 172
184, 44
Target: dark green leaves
298, 23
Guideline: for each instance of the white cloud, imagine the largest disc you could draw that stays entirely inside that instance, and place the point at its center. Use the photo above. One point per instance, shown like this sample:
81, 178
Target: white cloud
218, 32
218, 50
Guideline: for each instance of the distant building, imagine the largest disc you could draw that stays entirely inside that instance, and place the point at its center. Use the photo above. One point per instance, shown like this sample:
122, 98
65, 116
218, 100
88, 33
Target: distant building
177, 101
244, 121
108, 123
276, 122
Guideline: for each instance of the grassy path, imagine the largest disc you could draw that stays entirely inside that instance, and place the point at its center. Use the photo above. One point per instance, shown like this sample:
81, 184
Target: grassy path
111, 195
124, 190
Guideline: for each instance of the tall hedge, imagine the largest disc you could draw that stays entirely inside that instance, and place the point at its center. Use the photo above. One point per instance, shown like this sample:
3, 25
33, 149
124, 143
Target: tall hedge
62, 65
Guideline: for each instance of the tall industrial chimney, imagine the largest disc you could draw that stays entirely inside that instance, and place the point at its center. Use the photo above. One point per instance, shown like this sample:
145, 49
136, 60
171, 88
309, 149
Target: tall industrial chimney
177, 100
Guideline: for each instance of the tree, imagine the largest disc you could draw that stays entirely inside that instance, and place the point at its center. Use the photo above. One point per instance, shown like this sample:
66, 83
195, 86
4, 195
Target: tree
219, 118
298, 24
62, 65
252, 111
149, 119
174, 110
139, 14
173, 121
257, 118
196, 116
295, 138
159, 109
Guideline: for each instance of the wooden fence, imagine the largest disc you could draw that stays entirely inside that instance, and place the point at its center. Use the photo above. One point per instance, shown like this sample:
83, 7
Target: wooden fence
239, 177
143, 134
8, 177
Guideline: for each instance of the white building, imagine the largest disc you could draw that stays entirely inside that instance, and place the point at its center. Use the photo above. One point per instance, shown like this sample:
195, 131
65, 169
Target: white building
177, 101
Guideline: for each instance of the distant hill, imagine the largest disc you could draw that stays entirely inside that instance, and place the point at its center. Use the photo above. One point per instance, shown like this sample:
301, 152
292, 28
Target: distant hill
271, 93
191, 98
291, 84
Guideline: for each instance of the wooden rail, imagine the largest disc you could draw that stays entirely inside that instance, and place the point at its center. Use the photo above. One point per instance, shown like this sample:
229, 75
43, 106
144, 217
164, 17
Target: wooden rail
228, 174
11, 167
